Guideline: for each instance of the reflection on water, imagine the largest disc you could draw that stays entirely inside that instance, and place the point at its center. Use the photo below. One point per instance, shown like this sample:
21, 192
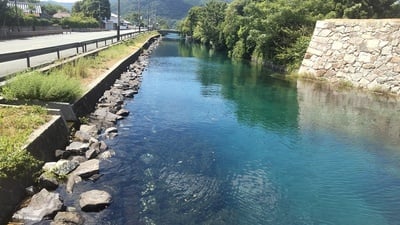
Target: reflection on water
209, 141
356, 113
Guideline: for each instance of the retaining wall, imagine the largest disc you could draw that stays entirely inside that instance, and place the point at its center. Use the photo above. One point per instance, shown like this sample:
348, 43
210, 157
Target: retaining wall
363, 52
43, 143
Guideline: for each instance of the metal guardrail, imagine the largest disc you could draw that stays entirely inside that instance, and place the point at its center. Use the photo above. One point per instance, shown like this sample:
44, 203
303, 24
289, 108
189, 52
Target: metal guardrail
6, 57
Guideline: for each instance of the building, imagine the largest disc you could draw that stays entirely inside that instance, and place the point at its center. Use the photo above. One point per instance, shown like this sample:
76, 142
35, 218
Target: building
27, 8
112, 23
61, 15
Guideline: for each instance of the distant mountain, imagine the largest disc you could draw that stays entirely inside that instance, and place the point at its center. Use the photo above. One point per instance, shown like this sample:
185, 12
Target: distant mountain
67, 5
168, 9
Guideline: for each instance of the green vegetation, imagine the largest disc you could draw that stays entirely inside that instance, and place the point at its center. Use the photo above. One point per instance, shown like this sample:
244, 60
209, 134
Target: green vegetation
16, 124
79, 21
272, 31
99, 9
51, 9
36, 85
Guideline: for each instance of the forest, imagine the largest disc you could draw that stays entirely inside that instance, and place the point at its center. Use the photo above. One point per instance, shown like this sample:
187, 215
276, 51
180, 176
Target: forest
275, 31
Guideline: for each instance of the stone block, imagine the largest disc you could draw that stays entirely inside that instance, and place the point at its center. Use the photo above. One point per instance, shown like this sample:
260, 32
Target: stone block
348, 58
395, 59
364, 57
337, 45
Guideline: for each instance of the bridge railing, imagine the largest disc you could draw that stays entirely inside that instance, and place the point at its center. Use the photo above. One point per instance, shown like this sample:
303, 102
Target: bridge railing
6, 57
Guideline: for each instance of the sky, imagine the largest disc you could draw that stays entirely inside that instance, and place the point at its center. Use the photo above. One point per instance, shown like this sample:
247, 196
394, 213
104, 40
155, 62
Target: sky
64, 1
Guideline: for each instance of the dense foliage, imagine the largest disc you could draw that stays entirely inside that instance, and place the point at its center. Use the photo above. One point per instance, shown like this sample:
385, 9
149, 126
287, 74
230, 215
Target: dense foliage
98, 9
51, 9
276, 31
78, 20
16, 124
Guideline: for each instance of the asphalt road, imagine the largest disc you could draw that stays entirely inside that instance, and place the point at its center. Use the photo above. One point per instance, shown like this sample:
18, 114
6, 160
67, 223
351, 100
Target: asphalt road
24, 44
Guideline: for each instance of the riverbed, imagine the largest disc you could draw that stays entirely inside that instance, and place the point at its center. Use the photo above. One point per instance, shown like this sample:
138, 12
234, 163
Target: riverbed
212, 141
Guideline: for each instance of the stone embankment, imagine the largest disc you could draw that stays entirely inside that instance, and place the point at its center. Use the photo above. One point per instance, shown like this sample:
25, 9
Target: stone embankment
365, 53
81, 160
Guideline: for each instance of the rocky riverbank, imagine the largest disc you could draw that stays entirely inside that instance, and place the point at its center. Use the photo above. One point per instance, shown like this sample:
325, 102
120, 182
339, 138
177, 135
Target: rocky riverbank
81, 160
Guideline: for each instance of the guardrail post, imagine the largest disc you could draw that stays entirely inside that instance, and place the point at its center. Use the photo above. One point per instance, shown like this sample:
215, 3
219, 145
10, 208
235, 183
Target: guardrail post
28, 61
97, 44
58, 53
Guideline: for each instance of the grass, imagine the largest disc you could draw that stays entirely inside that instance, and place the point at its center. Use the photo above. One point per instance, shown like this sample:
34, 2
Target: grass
16, 125
68, 82
35, 85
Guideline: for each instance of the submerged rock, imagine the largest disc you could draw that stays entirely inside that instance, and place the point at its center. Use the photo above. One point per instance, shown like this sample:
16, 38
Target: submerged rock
147, 158
122, 112
68, 218
72, 180
41, 205
106, 155
94, 200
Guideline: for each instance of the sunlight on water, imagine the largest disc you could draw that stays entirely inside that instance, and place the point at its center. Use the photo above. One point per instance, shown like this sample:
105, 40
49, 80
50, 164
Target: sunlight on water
209, 141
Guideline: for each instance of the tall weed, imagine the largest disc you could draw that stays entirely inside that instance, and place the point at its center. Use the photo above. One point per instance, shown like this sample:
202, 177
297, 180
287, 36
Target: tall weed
35, 85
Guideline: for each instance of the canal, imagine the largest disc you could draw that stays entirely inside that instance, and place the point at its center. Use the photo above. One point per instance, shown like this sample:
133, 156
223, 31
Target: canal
211, 141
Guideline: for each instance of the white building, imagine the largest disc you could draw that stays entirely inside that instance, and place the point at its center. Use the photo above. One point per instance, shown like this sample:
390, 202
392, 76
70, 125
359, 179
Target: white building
112, 23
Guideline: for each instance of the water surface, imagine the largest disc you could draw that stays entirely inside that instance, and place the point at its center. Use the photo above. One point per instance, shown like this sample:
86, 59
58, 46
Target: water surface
211, 141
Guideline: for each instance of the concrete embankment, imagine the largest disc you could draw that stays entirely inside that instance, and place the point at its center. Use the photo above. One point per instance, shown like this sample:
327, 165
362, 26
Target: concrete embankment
365, 53
55, 134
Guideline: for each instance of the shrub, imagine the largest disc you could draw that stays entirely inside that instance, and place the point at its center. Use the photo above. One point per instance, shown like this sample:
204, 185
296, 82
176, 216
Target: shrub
35, 85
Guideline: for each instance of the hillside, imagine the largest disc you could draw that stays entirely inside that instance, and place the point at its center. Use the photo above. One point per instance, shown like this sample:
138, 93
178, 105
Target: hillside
168, 9
67, 5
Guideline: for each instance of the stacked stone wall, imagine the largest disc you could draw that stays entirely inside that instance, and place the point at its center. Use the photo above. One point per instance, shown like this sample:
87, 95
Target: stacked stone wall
363, 52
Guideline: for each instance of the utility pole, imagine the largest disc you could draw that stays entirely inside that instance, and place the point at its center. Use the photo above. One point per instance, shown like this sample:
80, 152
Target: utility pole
140, 17
118, 24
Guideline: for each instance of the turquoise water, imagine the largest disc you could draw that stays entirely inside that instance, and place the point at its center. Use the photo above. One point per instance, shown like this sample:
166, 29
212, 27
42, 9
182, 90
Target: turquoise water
210, 141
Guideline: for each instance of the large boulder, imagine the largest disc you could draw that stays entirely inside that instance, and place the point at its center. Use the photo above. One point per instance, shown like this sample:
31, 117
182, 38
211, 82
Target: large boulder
64, 167
82, 136
48, 180
88, 168
43, 204
77, 147
94, 200
92, 130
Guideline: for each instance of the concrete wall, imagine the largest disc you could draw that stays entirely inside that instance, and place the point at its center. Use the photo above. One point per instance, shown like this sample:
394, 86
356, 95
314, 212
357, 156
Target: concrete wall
363, 52
29, 31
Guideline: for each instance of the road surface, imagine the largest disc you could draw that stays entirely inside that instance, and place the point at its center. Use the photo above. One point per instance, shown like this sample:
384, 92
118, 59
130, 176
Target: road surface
24, 44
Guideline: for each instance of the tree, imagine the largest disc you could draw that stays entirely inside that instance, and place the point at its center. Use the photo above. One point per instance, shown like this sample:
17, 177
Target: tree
4, 12
52, 9
277, 31
98, 9
363, 9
